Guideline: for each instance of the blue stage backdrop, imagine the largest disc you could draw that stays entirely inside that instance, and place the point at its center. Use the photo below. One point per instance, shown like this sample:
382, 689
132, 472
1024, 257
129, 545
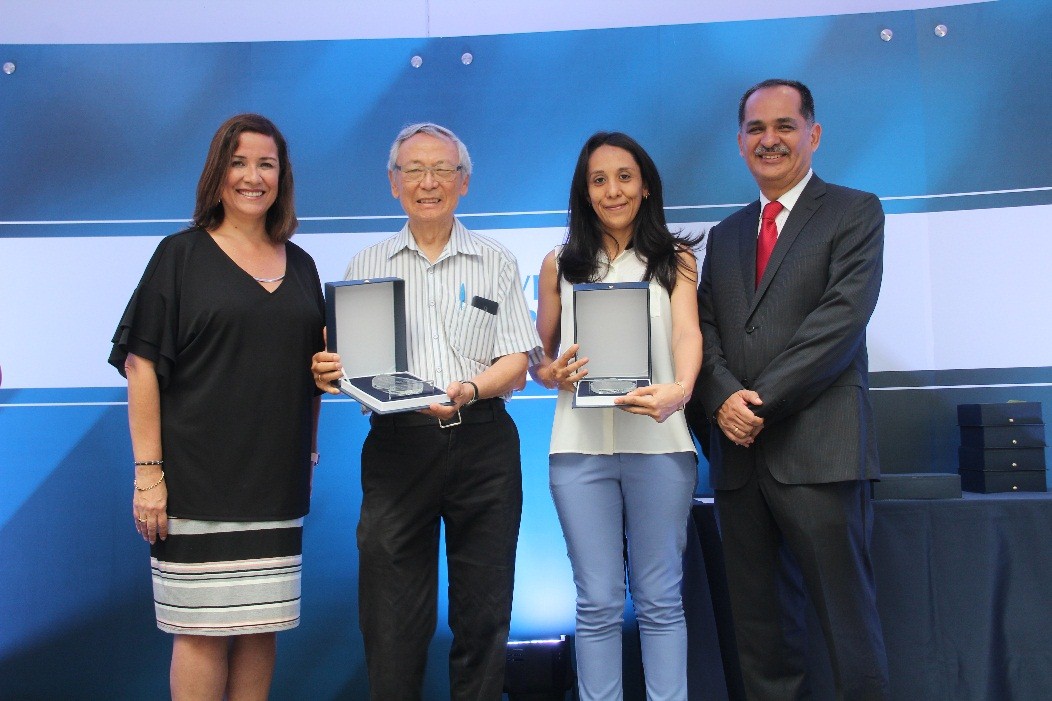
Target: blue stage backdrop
102, 146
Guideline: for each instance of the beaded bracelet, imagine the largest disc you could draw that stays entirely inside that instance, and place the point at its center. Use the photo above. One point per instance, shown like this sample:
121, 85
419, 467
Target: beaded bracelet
148, 462
146, 489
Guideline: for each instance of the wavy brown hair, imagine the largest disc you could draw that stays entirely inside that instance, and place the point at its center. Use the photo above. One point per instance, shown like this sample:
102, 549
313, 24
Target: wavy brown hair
208, 211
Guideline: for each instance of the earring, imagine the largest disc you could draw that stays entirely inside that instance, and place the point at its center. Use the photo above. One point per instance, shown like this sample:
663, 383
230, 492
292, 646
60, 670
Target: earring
646, 195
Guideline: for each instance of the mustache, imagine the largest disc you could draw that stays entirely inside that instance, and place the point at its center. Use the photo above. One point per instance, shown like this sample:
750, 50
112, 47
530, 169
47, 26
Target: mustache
780, 148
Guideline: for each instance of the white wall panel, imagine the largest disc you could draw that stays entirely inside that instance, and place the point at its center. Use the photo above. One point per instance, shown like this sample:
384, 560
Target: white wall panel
979, 301
900, 332
991, 285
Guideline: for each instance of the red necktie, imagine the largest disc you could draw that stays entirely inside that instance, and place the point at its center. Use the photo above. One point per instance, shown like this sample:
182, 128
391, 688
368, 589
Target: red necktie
768, 237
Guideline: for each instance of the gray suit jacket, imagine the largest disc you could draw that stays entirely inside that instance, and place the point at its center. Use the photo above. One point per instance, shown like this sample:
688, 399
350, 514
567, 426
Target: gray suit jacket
798, 340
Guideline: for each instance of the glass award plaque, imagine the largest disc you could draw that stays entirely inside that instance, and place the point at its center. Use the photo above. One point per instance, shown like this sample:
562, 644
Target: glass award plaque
398, 385
611, 386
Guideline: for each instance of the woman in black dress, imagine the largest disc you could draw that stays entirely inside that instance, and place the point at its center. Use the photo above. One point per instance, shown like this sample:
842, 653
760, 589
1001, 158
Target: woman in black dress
216, 344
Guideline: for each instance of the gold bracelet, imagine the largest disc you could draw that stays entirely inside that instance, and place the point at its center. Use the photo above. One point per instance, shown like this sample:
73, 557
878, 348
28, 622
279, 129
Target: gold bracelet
146, 489
683, 400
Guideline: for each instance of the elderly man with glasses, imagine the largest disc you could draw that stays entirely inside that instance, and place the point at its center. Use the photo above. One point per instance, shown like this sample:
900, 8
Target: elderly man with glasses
469, 330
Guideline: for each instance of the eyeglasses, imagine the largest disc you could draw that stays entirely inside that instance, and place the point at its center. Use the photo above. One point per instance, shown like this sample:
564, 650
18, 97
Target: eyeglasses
441, 173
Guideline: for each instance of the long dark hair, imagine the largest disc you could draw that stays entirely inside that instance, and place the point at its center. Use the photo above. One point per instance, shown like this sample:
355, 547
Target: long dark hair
651, 239
208, 211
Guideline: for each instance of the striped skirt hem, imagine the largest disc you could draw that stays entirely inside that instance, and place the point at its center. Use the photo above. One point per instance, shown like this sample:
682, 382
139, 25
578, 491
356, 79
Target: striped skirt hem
228, 578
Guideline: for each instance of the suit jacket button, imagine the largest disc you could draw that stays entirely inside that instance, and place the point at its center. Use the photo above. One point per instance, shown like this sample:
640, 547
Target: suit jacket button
750, 329
745, 383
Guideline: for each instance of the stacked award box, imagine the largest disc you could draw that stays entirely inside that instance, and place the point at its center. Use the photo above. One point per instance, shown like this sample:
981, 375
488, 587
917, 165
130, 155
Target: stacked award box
612, 327
1002, 447
366, 325
917, 485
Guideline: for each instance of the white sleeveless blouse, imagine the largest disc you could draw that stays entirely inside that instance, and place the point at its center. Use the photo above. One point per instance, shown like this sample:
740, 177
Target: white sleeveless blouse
602, 431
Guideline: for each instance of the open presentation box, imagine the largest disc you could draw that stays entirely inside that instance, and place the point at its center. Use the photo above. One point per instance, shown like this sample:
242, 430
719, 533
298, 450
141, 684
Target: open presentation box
612, 327
366, 325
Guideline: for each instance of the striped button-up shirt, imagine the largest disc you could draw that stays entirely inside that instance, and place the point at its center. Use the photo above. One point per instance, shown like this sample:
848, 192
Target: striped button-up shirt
463, 311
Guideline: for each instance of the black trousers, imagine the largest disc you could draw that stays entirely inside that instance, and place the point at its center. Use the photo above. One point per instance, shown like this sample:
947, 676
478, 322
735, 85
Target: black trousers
780, 541
416, 476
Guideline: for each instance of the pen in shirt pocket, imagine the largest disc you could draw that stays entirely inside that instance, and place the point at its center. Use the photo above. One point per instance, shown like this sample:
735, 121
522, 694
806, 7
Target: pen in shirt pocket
463, 296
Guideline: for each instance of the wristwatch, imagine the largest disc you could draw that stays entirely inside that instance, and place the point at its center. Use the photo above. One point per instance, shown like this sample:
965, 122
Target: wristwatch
475, 387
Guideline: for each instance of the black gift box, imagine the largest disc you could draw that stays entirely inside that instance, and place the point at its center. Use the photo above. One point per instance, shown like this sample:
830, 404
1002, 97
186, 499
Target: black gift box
1017, 436
1000, 414
1002, 447
990, 481
1001, 459
918, 485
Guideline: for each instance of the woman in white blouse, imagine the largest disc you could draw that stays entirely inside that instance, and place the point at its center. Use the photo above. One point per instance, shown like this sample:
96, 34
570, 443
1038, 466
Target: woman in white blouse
622, 478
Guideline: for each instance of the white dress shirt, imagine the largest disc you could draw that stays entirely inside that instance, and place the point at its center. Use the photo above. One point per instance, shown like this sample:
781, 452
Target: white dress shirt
788, 201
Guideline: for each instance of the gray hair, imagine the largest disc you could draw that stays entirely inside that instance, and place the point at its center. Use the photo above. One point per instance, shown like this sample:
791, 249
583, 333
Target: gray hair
430, 129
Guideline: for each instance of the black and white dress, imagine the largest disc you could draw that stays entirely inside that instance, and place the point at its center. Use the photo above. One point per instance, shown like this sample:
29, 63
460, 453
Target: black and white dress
233, 365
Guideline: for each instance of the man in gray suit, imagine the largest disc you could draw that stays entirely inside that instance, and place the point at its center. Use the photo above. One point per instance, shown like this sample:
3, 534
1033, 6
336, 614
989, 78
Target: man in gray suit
784, 302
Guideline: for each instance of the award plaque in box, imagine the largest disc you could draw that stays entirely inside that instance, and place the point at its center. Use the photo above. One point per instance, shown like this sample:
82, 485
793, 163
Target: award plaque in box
612, 327
366, 325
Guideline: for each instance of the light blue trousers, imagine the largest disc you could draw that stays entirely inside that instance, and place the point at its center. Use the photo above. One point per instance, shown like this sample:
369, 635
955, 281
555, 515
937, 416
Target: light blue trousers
601, 500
